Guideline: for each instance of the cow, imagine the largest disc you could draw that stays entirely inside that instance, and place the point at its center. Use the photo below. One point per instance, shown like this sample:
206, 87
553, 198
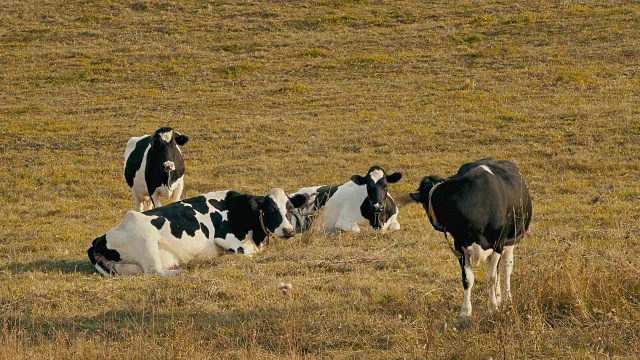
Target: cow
160, 239
317, 197
361, 201
486, 207
154, 166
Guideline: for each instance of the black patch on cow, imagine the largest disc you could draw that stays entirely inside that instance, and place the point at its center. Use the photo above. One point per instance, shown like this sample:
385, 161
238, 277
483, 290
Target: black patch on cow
271, 214
199, 203
323, 194
158, 222
378, 220
99, 249
218, 204
134, 161
205, 230
182, 218
220, 226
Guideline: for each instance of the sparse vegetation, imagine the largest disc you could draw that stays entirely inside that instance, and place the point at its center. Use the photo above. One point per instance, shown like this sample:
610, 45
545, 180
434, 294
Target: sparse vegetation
295, 94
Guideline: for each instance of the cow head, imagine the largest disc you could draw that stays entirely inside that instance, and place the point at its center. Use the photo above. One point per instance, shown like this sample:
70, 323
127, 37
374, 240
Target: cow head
377, 182
422, 194
277, 211
164, 149
302, 208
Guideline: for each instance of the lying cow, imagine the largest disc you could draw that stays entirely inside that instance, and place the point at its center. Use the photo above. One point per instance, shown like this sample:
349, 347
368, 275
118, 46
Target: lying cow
153, 166
317, 197
486, 207
363, 200
158, 240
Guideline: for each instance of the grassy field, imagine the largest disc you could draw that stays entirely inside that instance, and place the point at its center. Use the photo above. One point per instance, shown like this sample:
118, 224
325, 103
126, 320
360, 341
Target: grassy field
290, 94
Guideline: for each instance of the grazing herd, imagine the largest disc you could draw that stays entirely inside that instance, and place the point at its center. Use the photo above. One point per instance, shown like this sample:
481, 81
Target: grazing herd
485, 206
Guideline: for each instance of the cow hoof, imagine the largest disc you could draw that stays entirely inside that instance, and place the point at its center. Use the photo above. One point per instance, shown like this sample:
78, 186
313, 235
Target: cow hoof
170, 273
464, 322
494, 308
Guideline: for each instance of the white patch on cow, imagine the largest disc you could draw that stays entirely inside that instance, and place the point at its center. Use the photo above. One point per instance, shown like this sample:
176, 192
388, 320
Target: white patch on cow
465, 310
216, 195
486, 168
166, 136
392, 223
169, 165
493, 282
478, 254
230, 242
280, 198
507, 254
376, 175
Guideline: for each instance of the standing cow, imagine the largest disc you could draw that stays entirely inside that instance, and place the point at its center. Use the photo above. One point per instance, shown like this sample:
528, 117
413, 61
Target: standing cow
486, 207
154, 166
159, 240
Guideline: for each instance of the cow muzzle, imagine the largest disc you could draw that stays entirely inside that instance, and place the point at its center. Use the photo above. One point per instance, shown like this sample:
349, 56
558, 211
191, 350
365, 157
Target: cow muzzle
377, 208
288, 233
169, 166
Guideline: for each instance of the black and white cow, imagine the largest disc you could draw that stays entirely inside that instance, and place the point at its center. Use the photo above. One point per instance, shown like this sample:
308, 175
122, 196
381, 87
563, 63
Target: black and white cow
361, 201
159, 240
486, 207
154, 166
317, 197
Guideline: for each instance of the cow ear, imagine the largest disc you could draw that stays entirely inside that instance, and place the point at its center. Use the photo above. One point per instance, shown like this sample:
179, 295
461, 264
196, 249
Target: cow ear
255, 204
394, 178
299, 200
415, 196
181, 139
359, 180
153, 139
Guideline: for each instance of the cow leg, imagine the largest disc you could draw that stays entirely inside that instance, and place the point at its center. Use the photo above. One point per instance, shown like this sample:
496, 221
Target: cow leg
138, 202
467, 282
177, 193
392, 224
493, 280
156, 200
127, 269
344, 223
508, 269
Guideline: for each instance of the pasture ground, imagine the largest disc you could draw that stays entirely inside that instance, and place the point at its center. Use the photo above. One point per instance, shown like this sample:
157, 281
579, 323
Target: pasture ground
290, 94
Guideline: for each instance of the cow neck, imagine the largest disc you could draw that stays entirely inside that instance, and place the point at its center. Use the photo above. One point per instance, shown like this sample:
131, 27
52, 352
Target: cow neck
431, 213
243, 218
268, 235
436, 225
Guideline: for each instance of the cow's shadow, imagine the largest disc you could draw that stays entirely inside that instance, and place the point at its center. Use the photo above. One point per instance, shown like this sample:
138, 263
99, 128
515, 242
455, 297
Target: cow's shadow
50, 266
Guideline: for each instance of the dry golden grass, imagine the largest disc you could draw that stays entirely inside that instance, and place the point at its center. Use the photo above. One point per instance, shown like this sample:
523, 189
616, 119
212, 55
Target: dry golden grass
293, 94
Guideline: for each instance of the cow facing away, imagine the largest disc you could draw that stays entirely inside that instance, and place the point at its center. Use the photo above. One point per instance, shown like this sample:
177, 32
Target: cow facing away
154, 166
486, 207
159, 240
363, 200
